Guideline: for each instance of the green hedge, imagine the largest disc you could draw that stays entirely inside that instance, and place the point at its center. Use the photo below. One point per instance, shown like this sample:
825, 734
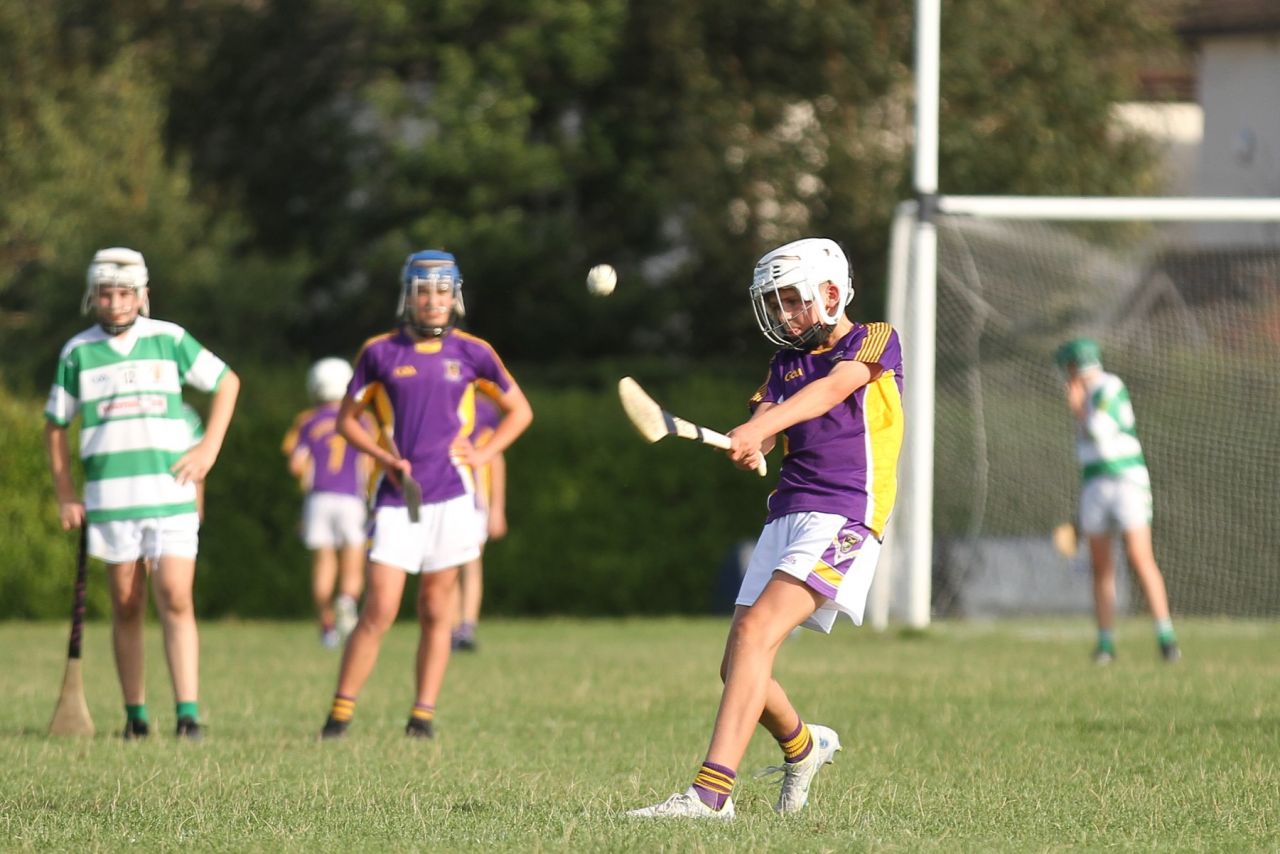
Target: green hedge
601, 523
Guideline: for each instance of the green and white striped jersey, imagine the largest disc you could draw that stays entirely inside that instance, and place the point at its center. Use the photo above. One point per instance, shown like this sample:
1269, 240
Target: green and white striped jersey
1107, 441
128, 391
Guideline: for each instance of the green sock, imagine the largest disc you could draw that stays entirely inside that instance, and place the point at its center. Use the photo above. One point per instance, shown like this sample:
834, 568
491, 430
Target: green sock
1107, 640
137, 713
189, 710
1164, 631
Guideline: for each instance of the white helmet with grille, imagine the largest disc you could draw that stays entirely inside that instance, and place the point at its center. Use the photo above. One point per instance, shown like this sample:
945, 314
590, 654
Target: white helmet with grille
805, 265
118, 267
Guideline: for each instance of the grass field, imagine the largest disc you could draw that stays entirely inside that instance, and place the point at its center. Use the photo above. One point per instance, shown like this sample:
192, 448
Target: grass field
978, 737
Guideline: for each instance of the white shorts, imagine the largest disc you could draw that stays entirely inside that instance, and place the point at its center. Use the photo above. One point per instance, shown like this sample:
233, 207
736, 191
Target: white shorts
1109, 504
446, 535
834, 556
332, 520
130, 539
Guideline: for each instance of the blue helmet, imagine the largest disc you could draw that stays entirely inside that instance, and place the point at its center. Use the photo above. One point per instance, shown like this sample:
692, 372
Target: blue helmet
429, 267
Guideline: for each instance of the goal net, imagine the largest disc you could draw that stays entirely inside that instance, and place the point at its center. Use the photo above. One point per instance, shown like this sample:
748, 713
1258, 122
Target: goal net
1187, 313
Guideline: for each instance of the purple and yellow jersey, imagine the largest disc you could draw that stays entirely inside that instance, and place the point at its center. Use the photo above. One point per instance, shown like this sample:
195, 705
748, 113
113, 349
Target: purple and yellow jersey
846, 461
424, 394
488, 414
332, 464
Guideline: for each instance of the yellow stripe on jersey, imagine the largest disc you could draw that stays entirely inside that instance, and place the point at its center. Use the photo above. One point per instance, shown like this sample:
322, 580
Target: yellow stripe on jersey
757, 398
872, 347
882, 408
489, 389
295, 432
467, 417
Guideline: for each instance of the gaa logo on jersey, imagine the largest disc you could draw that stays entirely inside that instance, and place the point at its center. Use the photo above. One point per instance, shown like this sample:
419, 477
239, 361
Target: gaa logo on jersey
452, 369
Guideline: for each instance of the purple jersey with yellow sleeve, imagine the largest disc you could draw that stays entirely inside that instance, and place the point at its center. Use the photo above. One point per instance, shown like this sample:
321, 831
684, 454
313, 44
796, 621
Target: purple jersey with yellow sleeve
845, 461
424, 393
332, 464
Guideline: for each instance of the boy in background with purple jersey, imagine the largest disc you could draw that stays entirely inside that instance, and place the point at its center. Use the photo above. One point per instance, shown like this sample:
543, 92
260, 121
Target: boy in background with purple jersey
491, 483
834, 391
421, 381
335, 477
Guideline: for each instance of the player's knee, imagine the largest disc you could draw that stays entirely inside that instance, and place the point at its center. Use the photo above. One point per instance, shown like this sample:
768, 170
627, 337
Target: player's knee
376, 619
176, 607
128, 608
750, 633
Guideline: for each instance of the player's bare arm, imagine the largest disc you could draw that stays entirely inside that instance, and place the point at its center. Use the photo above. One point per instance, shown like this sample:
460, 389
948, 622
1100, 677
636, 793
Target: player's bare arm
815, 399
350, 428
498, 497
70, 507
195, 464
1075, 393
298, 463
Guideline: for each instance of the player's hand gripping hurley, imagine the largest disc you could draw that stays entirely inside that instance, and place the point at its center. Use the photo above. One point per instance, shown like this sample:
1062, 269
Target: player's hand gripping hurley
655, 423
409, 487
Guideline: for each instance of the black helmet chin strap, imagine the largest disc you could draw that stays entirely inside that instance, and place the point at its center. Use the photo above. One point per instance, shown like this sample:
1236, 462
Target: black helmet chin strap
117, 328
428, 331
814, 336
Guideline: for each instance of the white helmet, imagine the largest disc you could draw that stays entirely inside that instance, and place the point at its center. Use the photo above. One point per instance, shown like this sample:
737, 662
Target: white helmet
119, 267
805, 265
328, 379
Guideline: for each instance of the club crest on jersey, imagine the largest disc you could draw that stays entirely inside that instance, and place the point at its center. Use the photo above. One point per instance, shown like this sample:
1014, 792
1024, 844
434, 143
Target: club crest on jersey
452, 369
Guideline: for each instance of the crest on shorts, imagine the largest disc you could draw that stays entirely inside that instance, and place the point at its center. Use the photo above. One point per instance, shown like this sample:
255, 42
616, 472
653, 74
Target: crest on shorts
452, 369
848, 542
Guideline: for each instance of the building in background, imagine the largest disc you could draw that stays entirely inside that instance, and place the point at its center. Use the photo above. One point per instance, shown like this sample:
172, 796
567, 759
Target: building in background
1235, 46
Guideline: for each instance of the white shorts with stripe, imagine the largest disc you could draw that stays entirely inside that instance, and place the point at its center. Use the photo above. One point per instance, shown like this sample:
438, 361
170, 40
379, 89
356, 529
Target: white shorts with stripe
1110, 504
834, 556
333, 520
446, 535
128, 540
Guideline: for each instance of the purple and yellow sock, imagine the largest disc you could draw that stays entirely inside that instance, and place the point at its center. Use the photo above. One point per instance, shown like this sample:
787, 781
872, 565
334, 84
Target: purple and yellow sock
714, 784
423, 712
344, 708
797, 745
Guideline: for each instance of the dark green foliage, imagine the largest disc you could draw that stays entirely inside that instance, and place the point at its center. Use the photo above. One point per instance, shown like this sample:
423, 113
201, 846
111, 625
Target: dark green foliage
276, 161
601, 522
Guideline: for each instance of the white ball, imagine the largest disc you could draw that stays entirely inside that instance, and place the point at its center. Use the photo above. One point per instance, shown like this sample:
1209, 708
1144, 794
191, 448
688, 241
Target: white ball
602, 279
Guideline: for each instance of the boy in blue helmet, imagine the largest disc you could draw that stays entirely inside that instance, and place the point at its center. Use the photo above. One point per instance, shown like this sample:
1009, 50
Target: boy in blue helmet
421, 381
1116, 492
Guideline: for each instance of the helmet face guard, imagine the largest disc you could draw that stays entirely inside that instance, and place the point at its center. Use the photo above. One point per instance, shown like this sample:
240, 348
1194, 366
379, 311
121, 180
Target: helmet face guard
430, 270
805, 266
116, 268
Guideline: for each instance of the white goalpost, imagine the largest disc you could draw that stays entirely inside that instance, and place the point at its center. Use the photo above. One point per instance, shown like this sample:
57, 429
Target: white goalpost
1179, 291
1184, 296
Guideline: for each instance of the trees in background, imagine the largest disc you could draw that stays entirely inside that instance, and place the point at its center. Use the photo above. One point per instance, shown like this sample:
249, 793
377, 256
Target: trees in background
276, 161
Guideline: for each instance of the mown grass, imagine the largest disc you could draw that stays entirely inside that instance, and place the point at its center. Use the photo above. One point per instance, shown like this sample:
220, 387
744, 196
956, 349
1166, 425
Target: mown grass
978, 737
